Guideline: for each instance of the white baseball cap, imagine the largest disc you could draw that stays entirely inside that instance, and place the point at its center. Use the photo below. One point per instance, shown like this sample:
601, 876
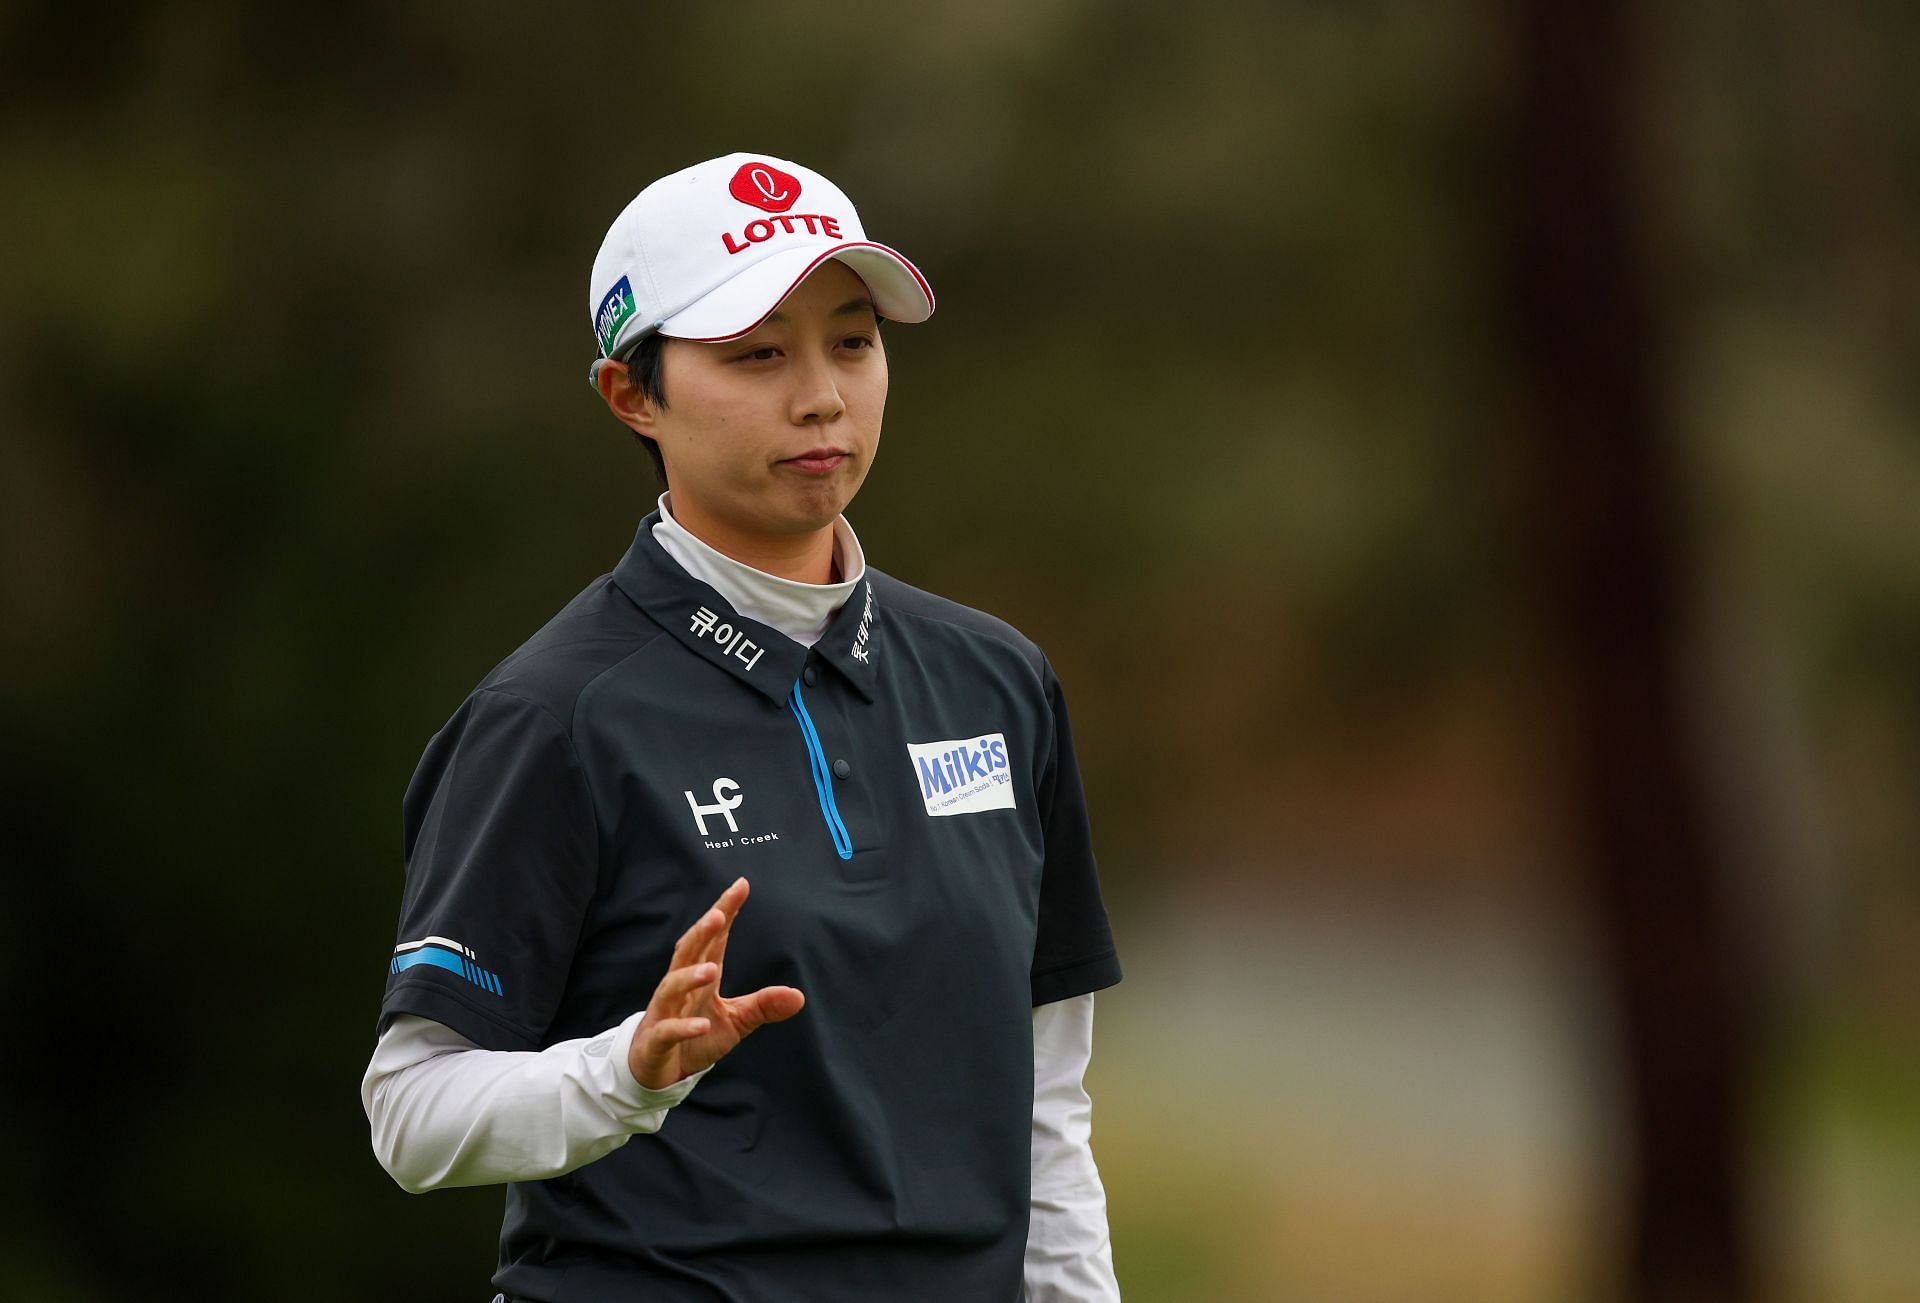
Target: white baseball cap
709, 252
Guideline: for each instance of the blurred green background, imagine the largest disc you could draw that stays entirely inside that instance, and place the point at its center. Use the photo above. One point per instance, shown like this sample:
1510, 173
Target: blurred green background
1218, 406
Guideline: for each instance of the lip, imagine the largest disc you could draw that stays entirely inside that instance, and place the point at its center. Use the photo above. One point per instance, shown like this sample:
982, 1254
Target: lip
817, 461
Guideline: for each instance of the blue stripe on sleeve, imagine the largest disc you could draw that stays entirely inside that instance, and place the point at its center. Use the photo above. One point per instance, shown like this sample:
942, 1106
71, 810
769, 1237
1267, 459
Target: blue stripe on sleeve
453, 963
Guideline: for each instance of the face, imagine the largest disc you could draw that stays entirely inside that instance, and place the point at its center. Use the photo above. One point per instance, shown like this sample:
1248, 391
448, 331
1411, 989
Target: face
773, 433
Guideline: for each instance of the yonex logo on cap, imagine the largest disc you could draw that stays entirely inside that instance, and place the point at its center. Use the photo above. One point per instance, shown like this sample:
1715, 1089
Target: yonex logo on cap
962, 775
764, 186
614, 312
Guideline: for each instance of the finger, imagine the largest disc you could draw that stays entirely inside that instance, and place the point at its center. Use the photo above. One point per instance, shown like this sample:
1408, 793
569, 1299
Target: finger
729, 904
680, 987
668, 1032
716, 947
652, 1060
694, 940
768, 1004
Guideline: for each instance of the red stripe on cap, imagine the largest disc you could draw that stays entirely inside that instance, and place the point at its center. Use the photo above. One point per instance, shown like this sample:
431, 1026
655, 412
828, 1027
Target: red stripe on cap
807, 271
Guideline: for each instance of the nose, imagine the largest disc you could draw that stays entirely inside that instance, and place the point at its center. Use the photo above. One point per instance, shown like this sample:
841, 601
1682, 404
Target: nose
816, 397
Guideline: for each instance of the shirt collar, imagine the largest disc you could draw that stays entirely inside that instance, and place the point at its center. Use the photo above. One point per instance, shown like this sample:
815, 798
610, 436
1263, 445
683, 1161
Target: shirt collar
713, 628
849, 644
801, 611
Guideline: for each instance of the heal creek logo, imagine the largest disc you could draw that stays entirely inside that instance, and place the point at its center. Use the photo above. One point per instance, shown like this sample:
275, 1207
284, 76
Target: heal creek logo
964, 775
727, 797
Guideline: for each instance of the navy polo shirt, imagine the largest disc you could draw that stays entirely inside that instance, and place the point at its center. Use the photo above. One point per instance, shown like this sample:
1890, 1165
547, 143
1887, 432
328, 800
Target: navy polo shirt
905, 801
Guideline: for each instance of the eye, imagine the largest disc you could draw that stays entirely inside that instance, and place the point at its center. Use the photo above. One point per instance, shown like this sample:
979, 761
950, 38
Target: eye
857, 342
765, 353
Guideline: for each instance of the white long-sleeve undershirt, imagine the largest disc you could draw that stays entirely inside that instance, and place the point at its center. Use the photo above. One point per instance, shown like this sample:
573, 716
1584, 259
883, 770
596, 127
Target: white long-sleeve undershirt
445, 1112
1069, 1254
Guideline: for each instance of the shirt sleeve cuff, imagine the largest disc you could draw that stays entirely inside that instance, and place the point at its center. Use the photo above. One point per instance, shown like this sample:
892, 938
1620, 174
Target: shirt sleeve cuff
1078, 978
629, 1101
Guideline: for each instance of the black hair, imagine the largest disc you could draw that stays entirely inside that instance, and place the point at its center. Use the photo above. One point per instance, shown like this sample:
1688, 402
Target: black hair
647, 372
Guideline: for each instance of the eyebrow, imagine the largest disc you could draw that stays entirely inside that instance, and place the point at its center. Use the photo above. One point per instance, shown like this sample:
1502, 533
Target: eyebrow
847, 309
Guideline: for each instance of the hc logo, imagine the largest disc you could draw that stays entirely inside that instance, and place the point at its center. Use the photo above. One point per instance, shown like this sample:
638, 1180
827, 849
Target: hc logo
724, 804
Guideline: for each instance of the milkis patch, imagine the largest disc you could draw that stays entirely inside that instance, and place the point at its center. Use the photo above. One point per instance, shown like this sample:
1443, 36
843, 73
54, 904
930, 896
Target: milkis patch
963, 775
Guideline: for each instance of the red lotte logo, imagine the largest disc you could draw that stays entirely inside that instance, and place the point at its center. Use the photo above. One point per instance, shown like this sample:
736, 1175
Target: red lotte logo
761, 229
764, 186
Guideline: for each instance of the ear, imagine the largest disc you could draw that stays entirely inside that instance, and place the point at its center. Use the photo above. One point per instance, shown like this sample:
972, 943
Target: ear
626, 400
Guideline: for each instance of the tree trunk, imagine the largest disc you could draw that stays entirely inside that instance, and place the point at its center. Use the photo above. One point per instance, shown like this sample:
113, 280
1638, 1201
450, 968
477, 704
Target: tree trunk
1606, 528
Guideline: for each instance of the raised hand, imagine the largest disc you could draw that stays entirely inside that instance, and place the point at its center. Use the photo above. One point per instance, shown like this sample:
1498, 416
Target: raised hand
689, 1024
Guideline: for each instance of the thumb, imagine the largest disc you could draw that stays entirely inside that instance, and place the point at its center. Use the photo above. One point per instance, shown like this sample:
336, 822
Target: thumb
768, 1004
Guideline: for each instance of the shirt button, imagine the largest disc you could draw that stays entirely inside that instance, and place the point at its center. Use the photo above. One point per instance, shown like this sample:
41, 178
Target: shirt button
841, 769
809, 676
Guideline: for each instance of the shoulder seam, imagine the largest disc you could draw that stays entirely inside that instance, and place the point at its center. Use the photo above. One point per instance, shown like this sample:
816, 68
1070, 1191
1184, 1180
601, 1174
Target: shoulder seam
585, 688
540, 706
566, 726
1029, 644
1030, 652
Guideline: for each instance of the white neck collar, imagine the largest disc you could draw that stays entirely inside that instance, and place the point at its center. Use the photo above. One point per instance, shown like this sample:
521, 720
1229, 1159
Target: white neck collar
801, 611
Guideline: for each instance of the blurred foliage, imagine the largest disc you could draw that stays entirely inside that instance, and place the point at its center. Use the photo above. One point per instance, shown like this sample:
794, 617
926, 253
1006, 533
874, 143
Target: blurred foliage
1215, 406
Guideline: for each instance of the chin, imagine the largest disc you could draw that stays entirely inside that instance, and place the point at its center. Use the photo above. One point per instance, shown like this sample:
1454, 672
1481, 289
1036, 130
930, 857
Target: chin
823, 499
797, 514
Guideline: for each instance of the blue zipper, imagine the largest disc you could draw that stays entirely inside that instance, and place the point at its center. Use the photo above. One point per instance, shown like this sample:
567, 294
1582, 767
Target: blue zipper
822, 780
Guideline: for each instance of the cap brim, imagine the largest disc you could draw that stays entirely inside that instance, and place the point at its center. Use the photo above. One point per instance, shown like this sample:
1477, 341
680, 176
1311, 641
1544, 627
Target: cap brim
900, 292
